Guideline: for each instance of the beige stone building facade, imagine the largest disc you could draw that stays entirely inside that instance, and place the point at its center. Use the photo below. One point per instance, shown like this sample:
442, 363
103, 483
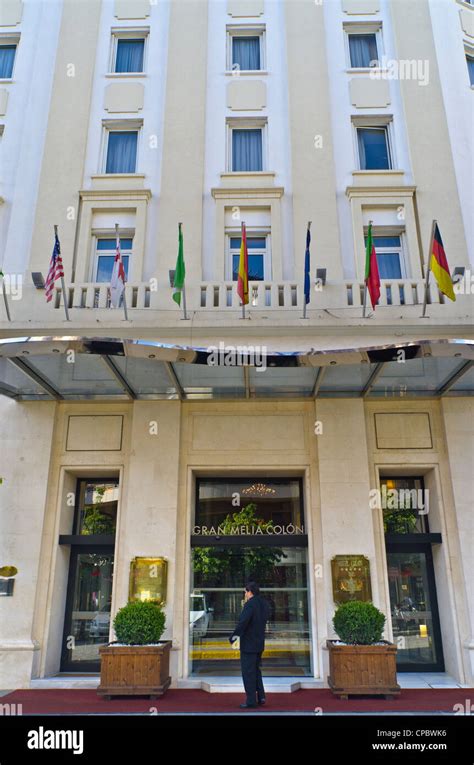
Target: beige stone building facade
232, 447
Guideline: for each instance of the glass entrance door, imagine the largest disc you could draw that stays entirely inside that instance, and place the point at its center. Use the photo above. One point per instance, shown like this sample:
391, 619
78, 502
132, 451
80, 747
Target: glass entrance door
249, 529
89, 593
219, 575
415, 621
87, 621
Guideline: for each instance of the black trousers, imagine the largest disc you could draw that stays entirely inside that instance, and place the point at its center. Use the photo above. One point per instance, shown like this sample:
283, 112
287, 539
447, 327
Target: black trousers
250, 664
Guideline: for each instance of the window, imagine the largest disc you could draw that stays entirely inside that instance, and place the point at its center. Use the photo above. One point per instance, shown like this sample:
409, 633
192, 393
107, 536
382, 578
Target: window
129, 55
97, 510
7, 59
105, 257
404, 505
390, 258
245, 48
121, 151
363, 50
374, 149
246, 53
470, 68
257, 255
247, 151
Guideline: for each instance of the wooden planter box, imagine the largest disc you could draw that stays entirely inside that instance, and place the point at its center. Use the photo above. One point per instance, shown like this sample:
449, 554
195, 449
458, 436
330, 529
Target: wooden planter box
363, 669
134, 670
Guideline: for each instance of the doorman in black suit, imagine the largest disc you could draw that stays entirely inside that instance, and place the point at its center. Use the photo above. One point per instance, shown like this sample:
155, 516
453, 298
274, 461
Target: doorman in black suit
251, 630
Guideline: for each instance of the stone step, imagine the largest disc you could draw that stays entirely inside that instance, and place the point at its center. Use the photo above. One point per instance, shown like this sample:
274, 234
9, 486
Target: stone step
66, 681
235, 685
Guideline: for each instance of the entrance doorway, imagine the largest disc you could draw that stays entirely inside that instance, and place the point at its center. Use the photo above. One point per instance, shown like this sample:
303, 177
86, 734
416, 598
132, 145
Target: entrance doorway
89, 592
412, 586
249, 529
415, 620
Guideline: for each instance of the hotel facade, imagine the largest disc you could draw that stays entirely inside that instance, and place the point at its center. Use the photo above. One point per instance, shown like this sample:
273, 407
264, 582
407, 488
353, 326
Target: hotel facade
325, 452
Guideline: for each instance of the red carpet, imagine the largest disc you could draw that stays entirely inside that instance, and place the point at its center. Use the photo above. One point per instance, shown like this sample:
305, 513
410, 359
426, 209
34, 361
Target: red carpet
85, 701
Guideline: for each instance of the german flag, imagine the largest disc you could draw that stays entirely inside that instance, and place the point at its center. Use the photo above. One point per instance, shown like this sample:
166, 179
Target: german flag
439, 265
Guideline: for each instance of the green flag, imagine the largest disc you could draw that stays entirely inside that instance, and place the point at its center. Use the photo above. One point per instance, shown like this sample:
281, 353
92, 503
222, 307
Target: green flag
180, 272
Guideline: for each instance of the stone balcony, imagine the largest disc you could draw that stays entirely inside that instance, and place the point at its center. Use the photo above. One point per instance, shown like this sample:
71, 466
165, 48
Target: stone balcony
334, 317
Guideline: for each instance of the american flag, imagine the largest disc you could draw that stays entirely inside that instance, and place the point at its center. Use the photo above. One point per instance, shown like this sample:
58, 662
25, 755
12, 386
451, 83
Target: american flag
56, 270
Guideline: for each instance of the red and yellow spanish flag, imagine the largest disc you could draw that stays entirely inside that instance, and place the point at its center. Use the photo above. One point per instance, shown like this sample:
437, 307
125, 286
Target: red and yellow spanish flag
243, 279
439, 265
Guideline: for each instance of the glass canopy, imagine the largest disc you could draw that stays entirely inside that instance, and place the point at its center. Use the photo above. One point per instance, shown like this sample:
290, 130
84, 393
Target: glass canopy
75, 368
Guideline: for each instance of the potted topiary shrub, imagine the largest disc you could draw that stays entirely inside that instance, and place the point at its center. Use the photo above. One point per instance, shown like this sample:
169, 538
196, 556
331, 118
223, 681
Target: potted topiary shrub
361, 662
137, 663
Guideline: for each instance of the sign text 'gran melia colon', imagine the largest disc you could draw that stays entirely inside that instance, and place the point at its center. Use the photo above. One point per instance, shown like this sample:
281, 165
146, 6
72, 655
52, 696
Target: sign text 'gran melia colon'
247, 530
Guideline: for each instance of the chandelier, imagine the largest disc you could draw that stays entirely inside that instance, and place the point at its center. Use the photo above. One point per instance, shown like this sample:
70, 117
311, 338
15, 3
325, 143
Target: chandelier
259, 490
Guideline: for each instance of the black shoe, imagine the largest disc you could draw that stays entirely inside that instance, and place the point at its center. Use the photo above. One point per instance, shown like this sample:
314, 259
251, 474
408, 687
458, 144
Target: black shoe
261, 702
248, 706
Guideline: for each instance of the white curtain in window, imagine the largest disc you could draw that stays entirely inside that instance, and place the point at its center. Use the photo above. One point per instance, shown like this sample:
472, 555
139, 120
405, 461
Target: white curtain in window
363, 50
129, 56
122, 152
247, 150
389, 265
246, 52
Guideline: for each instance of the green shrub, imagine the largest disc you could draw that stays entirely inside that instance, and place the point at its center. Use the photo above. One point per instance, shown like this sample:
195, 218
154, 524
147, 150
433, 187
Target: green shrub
139, 623
358, 623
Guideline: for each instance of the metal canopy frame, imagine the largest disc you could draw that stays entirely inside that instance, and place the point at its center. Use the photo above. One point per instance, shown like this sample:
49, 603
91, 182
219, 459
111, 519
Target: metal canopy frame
14, 350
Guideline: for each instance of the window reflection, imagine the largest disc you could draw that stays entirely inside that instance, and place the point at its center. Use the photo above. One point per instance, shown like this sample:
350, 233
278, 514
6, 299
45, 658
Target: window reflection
405, 505
97, 507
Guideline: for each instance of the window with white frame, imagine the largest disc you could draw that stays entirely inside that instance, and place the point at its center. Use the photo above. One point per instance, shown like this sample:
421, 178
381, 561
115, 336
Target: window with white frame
246, 146
128, 51
105, 251
7, 59
364, 46
373, 146
258, 248
121, 146
245, 49
390, 255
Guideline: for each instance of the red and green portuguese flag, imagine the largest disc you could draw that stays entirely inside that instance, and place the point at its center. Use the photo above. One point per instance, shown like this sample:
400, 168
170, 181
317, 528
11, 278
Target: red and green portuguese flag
372, 278
439, 265
180, 271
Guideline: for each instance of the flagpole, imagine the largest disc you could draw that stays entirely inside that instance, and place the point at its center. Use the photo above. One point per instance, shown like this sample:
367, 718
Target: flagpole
304, 277
183, 291
185, 316
365, 302
124, 298
5, 299
428, 270
63, 286
365, 281
241, 240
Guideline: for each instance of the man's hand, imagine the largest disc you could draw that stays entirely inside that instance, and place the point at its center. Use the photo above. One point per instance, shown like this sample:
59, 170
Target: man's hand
232, 639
